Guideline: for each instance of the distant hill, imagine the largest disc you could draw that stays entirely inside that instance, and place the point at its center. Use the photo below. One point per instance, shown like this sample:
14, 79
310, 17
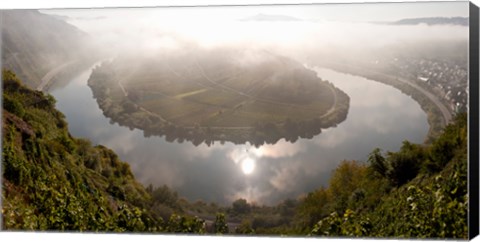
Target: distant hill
271, 17
462, 21
34, 43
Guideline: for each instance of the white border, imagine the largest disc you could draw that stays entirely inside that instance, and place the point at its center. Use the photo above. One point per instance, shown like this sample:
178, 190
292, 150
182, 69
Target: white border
47, 4
31, 4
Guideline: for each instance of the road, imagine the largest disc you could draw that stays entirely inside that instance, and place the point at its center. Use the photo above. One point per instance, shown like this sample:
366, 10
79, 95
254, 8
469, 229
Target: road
52, 73
210, 221
256, 98
334, 105
446, 114
125, 93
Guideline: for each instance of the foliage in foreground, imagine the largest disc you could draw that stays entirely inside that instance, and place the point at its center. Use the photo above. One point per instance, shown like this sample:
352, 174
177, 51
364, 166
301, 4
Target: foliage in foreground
52, 181
432, 203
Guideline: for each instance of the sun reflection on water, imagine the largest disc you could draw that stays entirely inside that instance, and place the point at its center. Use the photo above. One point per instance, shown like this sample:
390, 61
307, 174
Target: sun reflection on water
248, 166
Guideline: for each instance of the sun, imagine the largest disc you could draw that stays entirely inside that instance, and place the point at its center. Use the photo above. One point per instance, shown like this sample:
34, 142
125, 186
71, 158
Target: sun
248, 165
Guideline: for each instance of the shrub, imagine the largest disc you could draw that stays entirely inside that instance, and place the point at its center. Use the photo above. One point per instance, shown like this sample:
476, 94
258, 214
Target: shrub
220, 226
13, 106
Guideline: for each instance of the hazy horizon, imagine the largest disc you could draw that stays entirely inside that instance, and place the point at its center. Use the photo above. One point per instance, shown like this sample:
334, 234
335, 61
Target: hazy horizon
351, 12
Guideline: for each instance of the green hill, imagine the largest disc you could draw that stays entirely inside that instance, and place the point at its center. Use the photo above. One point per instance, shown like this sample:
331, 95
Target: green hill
52, 181
419, 191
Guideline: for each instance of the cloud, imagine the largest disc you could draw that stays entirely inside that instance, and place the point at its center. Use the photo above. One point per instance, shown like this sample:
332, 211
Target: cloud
281, 149
285, 176
154, 31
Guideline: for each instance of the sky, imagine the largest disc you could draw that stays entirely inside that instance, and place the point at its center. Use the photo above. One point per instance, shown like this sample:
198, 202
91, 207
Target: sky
350, 10
332, 12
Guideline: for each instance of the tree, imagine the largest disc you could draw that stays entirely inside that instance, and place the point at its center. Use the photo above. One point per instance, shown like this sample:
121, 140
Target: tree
287, 207
403, 169
347, 225
313, 207
220, 226
345, 180
129, 106
405, 164
240, 206
378, 163
245, 227
443, 149
166, 196
13, 106
182, 224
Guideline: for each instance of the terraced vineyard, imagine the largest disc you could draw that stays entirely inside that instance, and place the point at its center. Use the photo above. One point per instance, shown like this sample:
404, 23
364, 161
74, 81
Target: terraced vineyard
221, 94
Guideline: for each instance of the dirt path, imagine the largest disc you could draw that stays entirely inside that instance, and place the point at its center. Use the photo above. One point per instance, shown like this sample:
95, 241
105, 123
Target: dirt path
331, 110
334, 105
258, 99
125, 93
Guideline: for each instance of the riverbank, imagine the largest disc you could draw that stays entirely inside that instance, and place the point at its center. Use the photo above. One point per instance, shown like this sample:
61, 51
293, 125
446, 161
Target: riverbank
438, 115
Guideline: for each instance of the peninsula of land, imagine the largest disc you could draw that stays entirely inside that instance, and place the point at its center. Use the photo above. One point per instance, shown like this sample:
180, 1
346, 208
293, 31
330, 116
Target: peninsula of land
218, 95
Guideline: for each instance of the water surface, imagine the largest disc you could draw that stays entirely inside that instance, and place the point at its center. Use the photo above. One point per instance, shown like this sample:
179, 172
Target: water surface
379, 116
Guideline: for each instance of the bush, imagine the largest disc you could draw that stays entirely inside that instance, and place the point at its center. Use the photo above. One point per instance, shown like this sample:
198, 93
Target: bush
378, 163
240, 206
116, 191
220, 226
443, 148
10, 81
405, 164
181, 224
346, 225
13, 106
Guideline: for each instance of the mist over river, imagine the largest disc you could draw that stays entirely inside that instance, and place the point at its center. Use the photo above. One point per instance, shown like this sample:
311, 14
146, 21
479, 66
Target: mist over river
379, 116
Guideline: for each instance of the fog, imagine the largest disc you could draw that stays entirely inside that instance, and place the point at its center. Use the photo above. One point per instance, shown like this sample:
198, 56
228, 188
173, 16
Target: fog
156, 31
285, 169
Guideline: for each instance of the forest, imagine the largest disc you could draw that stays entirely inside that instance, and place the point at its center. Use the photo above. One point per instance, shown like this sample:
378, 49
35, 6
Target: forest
53, 181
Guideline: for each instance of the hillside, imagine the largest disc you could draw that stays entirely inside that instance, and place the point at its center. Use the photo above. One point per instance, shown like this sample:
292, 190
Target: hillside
53, 181
461, 21
34, 44
419, 191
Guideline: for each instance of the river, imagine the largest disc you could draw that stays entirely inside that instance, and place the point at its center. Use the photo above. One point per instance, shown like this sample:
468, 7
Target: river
379, 116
